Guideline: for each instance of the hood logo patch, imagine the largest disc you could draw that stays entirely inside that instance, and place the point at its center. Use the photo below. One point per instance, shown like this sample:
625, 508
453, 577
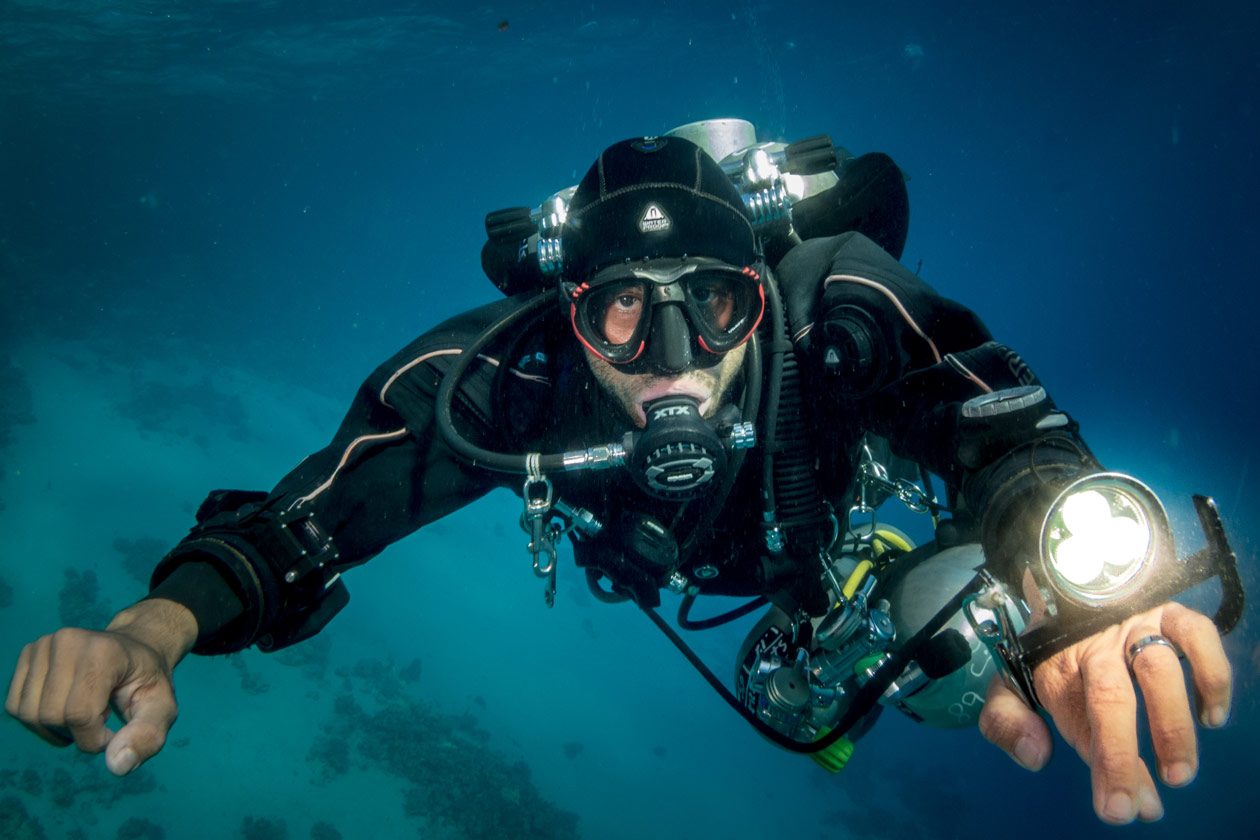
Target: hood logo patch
654, 220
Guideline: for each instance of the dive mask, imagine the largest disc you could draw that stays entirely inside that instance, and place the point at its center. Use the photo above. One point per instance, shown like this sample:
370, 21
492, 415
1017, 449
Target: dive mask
666, 314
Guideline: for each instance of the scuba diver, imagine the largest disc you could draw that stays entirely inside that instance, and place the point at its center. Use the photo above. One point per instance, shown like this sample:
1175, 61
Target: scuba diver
709, 372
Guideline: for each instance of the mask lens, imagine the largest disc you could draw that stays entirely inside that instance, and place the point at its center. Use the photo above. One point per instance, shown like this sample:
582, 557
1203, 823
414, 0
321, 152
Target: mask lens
717, 302
724, 306
616, 313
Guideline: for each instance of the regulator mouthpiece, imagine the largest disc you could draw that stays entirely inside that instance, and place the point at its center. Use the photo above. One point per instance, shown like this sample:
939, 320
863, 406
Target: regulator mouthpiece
678, 454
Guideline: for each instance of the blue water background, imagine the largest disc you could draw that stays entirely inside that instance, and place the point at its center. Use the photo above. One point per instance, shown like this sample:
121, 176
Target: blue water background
216, 218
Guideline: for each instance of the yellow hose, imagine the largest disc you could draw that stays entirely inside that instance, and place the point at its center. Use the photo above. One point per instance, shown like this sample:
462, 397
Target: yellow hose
855, 579
895, 539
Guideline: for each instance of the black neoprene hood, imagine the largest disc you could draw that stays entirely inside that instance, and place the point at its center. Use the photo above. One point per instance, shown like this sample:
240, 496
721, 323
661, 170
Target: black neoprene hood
655, 197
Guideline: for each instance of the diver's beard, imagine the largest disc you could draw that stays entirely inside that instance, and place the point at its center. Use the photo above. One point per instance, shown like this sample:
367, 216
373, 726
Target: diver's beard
720, 383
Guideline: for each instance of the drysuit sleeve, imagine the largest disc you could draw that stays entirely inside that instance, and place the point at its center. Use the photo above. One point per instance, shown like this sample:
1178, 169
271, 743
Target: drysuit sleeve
264, 569
897, 359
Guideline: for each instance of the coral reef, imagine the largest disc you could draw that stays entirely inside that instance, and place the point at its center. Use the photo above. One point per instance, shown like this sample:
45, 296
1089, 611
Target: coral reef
140, 829
325, 831
332, 754
251, 681
311, 656
345, 706
378, 676
260, 828
79, 601
165, 408
63, 788
411, 673
16, 823
30, 782
80, 782
457, 782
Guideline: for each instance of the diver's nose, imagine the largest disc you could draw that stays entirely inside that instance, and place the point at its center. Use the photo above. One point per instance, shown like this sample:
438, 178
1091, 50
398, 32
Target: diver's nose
670, 342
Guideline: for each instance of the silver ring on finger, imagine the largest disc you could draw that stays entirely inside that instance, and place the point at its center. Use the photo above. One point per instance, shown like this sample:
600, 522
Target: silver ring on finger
1145, 642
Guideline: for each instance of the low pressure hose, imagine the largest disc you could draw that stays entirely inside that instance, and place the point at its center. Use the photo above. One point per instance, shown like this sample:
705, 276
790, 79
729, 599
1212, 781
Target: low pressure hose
499, 461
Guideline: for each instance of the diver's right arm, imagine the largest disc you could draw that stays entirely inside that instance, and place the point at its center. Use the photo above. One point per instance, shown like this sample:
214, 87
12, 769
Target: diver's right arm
225, 586
66, 682
265, 569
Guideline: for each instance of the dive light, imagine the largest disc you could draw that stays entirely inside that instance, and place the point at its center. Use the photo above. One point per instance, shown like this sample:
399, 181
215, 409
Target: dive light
1106, 554
1103, 539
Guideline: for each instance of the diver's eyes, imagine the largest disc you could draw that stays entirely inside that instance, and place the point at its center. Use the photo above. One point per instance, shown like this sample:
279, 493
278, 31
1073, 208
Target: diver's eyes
715, 300
619, 314
710, 290
709, 293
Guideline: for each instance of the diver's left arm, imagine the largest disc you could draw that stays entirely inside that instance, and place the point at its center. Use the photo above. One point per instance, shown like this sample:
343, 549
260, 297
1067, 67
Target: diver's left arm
901, 360
1090, 694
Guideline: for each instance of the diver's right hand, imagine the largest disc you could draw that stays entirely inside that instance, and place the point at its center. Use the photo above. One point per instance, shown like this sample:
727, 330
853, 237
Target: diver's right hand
66, 683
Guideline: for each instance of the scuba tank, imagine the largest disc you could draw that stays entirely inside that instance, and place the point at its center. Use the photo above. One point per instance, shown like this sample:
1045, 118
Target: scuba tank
799, 674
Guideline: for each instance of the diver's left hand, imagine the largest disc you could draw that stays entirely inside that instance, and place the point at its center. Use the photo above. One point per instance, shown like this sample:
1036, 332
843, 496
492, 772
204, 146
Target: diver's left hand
1089, 692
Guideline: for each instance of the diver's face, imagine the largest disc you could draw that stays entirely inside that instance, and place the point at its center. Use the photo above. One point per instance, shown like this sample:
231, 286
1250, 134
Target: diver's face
711, 386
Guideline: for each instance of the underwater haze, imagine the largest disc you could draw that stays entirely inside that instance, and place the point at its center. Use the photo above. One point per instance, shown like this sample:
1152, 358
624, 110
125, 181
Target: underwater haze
217, 217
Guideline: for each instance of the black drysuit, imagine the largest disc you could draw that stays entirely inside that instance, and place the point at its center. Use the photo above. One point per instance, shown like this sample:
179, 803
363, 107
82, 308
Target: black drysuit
265, 569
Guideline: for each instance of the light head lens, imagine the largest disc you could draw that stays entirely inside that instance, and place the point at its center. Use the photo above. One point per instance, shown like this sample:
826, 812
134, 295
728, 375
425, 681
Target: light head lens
1101, 539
